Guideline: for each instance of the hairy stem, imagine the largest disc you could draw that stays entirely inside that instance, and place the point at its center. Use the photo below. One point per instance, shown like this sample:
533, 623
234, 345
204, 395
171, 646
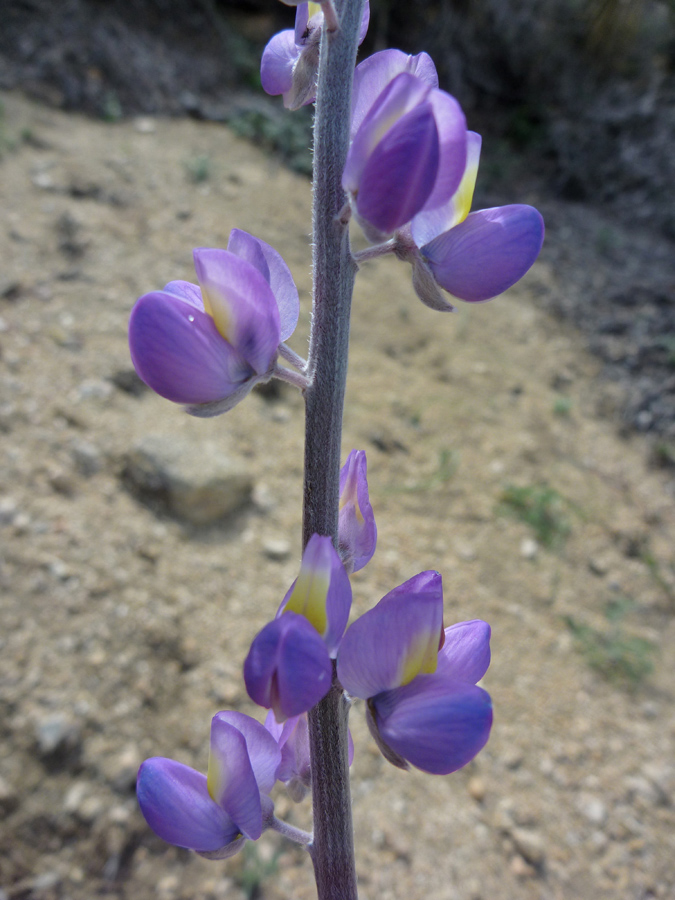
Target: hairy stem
334, 269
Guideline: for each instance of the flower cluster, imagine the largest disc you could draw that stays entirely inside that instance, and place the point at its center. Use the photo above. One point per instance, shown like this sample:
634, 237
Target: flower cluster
418, 680
408, 181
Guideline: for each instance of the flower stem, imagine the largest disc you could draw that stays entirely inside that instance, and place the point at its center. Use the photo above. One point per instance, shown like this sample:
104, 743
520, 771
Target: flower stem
332, 849
291, 832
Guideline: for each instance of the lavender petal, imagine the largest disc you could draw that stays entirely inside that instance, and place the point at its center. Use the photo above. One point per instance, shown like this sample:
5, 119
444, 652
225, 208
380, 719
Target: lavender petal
486, 253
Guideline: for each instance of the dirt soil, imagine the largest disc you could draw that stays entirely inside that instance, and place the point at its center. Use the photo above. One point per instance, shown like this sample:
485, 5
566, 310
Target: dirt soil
123, 630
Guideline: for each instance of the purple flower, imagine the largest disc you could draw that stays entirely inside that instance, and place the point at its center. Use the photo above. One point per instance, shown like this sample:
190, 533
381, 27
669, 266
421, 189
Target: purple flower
206, 346
288, 668
214, 814
424, 707
357, 532
408, 149
290, 60
473, 256
295, 766
321, 592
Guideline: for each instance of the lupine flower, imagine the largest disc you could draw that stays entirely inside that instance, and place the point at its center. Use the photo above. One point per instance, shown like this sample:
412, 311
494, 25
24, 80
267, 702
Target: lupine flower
295, 766
214, 814
357, 532
206, 345
408, 149
473, 256
290, 60
288, 668
424, 707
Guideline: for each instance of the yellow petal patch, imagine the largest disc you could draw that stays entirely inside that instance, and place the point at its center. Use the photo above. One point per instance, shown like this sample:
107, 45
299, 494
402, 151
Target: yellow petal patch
308, 599
460, 201
313, 9
421, 659
219, 308
216, 776
350, 495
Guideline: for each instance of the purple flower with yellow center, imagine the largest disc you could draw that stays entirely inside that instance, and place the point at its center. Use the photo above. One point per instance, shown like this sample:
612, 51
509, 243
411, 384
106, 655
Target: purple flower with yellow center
290, 60
419, 680
288, 668
216, 813
408, 149
207, 345
357, 532
473, 256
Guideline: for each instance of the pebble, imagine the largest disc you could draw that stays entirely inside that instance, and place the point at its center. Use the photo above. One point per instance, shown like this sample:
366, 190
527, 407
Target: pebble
277, 549
123, 768
529, 548
476, 788
8, 510
57, 733
87, 458
197, 483
530, 844
592, 808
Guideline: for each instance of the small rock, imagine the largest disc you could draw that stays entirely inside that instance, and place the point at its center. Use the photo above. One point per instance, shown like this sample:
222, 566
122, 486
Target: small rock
94, 390
46, 882
512, 758
277, 549
476, 789
520, 868
56, 734
201, 487
87, 458
598, 565
528, 548
8, 510
530, 844
145, 125
123, 769
592, 808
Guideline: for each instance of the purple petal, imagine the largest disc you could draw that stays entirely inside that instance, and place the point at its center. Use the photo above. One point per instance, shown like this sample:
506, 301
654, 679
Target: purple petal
231, 781
261, 746
465, 654
373, 75
395, 641
178, 351
451, 125
400, 173
402, 95
301, 23
176, 804
322, 592
288, 668
365, 21
295, 760
242, 305
278, 59
187, 291
435, 723
486, 253
357, 531
271, 265
429, 223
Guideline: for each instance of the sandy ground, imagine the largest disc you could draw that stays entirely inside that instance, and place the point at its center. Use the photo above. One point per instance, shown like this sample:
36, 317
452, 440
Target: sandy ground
122, 629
